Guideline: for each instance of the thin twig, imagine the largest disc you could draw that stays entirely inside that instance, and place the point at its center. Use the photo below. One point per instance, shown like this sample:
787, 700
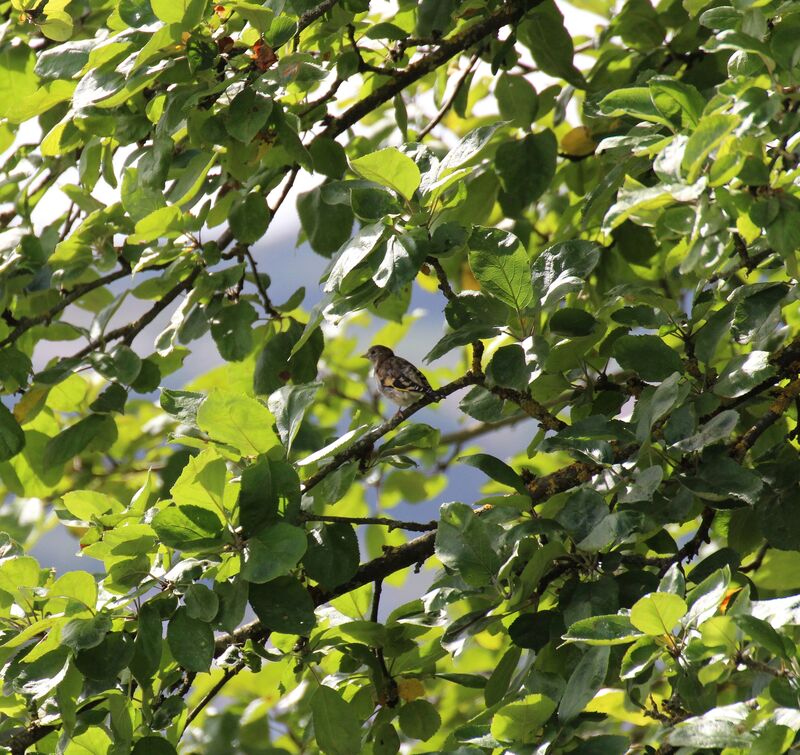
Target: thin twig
128, 332
228, 674
392, 524
448, 102
265, 300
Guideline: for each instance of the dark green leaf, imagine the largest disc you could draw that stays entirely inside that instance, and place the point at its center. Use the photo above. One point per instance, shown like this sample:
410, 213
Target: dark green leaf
332, 557
273, 552
585, 680
327, 226
231, 328
543, 33
464, 543
75, 439
419, 720
147, 646
12, 439
648, 356
191, 641
336, 727
497, 684
497, 470
525, 169
249, 219
283, 605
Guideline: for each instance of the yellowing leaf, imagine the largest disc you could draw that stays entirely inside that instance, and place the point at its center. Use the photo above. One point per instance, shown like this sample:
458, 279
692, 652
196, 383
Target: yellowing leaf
578, 142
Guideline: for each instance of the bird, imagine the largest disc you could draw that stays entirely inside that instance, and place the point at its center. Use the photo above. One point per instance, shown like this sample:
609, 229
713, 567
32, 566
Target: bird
398, 379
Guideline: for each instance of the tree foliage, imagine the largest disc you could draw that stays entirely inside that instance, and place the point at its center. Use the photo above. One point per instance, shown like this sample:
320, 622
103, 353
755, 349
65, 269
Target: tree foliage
613, 237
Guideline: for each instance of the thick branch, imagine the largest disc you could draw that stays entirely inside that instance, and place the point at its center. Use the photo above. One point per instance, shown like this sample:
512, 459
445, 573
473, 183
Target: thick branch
448, 48
530, 406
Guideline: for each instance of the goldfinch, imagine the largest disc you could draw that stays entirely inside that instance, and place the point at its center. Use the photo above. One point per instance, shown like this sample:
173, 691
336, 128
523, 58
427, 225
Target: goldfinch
398, 379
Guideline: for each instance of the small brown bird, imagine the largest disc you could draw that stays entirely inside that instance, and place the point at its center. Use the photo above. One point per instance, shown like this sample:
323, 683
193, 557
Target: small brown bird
397, 378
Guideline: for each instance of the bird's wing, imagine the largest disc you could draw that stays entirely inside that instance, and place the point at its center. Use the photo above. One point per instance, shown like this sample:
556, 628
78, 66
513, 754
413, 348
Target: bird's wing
408, 378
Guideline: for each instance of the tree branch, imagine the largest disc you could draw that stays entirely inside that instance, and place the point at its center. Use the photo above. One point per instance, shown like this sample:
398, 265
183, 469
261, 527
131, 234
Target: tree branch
26, 323
392, 524
365, 443
448, 103
128, 332
510, 13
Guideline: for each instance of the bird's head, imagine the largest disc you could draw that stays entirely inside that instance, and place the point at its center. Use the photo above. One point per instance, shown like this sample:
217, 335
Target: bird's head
377, 354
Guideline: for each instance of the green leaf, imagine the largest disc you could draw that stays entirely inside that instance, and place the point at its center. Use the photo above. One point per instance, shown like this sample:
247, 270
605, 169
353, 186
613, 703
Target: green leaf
186, 13
147, 646
248, 114
249, 219
563, 268
240, 421
521, 721
275, 551
353, 253
191, 641
401, 263
742, 373
544, 34
182, 405
201, 602
336, 727
258, 499
497, 470
165, 222
497, 684
332, 557
391, 168
231, 329
80, 634
648, 356
708, 135
603, 630
460, 337
12, 439
289, 405
636, 102
187, 527
526, 169
501, 265
75, 439
153, 745
464, 543
385, 740
721, 727
517, 99
658, 613
572, 322
283, 605
106, 660
327, 226
639, 656
467, 149
584, 682
86, 505
672, 96
419, 720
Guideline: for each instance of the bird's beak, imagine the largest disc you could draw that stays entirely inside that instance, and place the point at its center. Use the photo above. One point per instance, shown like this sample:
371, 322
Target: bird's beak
365, 356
